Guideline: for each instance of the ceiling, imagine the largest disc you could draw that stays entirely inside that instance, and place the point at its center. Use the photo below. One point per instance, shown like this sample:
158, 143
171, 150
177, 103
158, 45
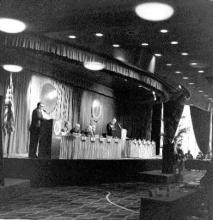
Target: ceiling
191, 25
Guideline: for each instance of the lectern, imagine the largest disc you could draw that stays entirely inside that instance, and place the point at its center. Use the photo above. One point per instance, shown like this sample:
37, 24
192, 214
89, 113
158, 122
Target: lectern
50, 137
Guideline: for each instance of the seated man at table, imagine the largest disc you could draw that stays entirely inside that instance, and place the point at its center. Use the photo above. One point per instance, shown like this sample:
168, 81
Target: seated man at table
90, 131
111, 127
76, 129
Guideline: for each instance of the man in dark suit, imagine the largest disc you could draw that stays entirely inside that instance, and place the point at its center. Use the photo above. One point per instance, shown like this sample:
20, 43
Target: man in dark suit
37, 117
111, 127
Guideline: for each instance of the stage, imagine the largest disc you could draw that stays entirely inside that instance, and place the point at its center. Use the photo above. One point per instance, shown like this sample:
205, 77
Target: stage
77, 172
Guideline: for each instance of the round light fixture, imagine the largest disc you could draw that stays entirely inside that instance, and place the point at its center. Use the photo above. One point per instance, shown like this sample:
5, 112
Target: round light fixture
168, 64
158, 54
184, 54
12, 68
178, 72
200, 91
116, 45
94, 65
11, 26
185, 77
174, 42
193, 64
200, 71
164, 31
191, 83
99, 35
205, 95
72, 36
144, 44
154, 11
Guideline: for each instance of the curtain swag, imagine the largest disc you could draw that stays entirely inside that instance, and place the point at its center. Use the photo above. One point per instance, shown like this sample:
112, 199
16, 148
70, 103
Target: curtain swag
80, 55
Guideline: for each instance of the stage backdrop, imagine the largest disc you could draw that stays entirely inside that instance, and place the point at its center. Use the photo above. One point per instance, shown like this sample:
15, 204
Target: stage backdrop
65, 102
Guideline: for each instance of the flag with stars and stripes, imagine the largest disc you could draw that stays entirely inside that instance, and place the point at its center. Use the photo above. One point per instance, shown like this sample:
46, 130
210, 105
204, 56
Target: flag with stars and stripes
9, 116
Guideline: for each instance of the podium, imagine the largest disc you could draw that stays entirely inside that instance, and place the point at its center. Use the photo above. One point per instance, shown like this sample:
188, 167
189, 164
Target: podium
121, 133
50, 138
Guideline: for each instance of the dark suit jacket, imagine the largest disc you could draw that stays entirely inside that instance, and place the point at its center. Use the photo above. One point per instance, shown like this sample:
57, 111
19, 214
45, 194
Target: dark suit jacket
36, 120
111, 129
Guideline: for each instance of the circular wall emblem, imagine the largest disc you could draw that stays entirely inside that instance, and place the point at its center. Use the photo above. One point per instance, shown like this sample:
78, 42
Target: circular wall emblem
96, 110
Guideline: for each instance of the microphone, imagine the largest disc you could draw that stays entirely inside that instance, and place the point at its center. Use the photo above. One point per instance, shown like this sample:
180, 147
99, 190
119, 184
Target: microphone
119, 125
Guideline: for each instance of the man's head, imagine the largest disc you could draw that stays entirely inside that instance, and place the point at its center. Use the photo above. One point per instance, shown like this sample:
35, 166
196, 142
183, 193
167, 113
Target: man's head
40, 105
114, 120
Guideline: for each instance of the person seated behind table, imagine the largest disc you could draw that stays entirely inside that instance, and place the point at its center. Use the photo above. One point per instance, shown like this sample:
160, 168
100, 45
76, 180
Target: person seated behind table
76, 129
90, 130
188, 155
111, 128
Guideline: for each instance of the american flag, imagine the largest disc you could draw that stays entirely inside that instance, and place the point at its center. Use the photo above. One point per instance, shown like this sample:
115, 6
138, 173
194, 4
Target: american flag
9, 116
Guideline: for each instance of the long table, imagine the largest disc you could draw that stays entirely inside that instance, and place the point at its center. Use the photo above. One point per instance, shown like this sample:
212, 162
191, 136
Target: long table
78, 147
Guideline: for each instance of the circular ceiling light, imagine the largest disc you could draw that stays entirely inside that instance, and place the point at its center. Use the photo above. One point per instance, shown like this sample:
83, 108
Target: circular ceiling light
164, 31
116, 45
193, 64
72, 36
12, 68
185, 77
158, 54
94, 65
184, 54
191, 83
168, 64
174, 42
178, 72
11, 26
154, 11
205, 95
145, 44
200, 71
99, 35
200, 91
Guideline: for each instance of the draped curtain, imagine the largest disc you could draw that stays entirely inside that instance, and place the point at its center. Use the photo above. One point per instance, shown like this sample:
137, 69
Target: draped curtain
17, 143
136, 118
156, 125
201, 125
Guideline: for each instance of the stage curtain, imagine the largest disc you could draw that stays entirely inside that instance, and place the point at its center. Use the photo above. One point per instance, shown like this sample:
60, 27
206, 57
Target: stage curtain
156, 125
201, 123
17, 144
136, 118
107, 108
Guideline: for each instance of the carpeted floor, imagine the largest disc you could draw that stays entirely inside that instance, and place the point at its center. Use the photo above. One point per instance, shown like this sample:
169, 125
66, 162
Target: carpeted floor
103, 202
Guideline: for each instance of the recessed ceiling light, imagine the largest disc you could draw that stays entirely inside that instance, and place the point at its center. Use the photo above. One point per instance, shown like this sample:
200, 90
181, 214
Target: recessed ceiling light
185, 77
154, 11
200, 91
72, 36
200, 71
178, 72
116, 45
174, 42
184, 54
191, 83
180, 87
94, 65
99, 35
140, 86
206, 95
12, 68
193, 64
168, 64
145, 44
210, 98
12, 26
158, 54
164, 31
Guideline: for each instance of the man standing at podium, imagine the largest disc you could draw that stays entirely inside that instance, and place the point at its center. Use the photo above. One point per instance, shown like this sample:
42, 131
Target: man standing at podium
37, 117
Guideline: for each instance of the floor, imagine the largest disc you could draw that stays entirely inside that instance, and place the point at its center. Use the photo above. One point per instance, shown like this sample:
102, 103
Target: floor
103, 202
